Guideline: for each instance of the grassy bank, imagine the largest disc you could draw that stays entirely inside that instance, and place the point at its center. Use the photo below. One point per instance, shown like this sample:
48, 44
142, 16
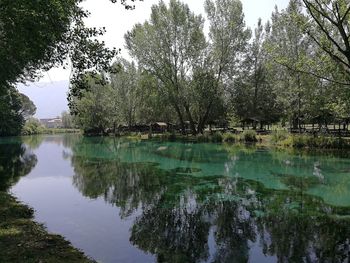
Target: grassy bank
300, 141
217, 137
44, 131
281, 139
23, 240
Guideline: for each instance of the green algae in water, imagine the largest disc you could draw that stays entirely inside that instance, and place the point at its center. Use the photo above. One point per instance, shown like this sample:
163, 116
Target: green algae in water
182, 199
186, 170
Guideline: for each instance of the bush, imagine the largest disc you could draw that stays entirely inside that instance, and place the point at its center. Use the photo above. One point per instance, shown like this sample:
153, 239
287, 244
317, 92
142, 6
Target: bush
249, 136
32, 126
203, 138
322, 142
217, 137
278, 136
229, 138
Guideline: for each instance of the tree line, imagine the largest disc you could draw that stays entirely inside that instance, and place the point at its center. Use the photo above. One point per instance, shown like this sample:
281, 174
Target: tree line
294, 69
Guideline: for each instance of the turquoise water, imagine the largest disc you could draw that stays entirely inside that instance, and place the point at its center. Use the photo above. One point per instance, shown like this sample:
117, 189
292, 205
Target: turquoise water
141, 201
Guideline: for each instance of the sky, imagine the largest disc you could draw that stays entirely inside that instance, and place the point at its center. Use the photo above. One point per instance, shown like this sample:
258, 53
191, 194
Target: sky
117, 22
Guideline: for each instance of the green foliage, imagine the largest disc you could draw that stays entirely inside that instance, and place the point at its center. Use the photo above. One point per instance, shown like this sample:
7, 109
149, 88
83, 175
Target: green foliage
11, 119
217, 137
328, 28
230, 138
188, 68
321, 142
67, 120
308, 141
249, 136
28, 107
95, 108
29, 43
278, 136
186, 78
33, 126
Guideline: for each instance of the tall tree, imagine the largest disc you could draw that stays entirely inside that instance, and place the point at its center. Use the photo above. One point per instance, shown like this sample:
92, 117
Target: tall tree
253, 94
125, 88
290, 49
228, 39
166, 46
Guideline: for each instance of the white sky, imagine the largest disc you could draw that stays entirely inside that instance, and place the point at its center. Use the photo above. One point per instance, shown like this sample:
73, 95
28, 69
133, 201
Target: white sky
118, 21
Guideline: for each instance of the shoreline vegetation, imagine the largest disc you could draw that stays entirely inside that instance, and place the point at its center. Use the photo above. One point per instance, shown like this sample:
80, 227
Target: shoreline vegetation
272, 139
276, 139
47, 131
24, 240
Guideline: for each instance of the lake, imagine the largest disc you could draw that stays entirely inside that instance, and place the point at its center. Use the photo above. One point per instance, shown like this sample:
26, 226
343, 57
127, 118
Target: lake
127, 201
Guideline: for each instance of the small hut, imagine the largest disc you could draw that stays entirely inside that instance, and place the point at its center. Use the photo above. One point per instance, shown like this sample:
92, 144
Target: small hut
159, 127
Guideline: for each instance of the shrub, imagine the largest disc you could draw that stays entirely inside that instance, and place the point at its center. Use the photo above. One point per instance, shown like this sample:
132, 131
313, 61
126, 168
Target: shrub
323, 142
32, 126
229, 138
217, 137
278, 136
249, 136
203, 138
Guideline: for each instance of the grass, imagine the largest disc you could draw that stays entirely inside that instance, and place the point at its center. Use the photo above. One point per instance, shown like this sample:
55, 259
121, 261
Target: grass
278, 138
23, 240
49, 131
300, 141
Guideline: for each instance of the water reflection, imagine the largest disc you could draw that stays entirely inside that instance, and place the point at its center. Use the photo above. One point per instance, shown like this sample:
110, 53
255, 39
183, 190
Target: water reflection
210, 203
16, 160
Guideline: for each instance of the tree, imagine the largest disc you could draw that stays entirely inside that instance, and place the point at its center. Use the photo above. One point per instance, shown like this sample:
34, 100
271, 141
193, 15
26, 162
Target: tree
11, 118
290, 50
166, 47
124, 84
67, 120
94, 107
328, 26
28, 107
252, 92
39, 35
172, 47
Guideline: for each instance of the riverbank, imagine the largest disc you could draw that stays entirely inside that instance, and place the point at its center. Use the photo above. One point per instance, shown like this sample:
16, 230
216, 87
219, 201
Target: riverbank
23, 240
276, 139
48, 131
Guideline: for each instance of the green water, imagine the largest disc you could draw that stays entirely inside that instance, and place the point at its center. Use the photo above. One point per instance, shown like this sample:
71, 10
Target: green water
141, 201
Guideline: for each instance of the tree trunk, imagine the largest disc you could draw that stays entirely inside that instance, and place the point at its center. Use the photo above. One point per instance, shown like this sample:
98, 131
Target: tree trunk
181, 120
192, 126
204, 120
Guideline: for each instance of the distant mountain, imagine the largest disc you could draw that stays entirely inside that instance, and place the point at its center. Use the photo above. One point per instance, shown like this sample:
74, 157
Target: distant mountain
49, 98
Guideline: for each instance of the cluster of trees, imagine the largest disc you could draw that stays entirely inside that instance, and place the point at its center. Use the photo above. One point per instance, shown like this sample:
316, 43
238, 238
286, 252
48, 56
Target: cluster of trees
39, 35
294, 69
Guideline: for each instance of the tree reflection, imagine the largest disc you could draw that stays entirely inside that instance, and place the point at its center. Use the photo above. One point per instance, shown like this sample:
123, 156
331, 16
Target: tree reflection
16, 160
191, 218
